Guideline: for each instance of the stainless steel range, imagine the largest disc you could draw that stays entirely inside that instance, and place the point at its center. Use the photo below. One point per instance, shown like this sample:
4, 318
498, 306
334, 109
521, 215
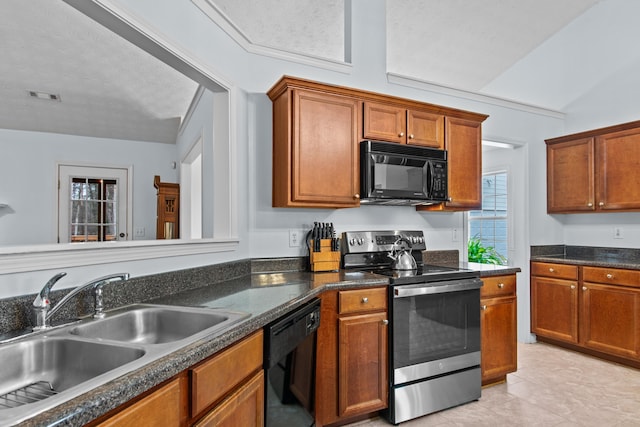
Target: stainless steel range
434, 354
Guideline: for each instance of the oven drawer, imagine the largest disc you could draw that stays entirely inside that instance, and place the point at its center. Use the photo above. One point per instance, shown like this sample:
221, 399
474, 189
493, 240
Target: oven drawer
498, 286
361, 300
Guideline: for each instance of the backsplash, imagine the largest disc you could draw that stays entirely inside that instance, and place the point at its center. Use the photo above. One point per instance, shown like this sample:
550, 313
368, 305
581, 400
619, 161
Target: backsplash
15, 312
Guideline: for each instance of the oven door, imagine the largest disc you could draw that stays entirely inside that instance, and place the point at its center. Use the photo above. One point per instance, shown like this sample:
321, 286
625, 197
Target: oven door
436, 329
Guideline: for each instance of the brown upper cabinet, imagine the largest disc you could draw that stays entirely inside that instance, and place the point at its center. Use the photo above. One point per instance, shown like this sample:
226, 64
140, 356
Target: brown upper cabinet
463, 142
317, 129
392, 123
595, 171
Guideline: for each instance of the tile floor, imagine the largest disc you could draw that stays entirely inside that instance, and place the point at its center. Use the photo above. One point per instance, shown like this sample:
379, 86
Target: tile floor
552, 387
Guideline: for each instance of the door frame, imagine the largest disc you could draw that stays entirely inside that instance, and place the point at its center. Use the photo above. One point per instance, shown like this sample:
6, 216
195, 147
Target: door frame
101, 171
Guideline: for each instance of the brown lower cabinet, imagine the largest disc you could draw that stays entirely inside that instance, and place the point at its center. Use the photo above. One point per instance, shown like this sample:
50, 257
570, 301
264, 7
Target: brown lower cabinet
226, 389
591, 309
351, 367
498, 328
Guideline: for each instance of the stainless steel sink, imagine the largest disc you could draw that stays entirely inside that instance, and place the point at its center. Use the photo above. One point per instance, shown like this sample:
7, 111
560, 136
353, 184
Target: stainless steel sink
43, 370
155, 324
35, 369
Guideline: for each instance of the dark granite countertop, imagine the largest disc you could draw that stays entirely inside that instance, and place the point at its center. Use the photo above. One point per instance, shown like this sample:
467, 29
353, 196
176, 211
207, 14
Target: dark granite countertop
587, 255
267, 296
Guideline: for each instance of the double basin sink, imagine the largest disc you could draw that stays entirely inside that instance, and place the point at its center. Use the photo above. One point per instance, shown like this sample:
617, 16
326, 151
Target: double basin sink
41, 371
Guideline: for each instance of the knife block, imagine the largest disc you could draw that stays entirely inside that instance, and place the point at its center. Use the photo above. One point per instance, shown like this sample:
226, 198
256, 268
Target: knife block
326, 259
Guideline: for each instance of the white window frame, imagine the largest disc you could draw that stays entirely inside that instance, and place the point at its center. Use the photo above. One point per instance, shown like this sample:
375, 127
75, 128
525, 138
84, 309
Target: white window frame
507, 217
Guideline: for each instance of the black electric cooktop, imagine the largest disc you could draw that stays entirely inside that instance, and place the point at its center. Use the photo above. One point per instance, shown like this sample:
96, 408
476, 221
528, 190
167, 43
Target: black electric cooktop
426, 273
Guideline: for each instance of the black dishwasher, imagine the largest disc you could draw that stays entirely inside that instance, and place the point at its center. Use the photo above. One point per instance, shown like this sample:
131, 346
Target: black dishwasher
289, 362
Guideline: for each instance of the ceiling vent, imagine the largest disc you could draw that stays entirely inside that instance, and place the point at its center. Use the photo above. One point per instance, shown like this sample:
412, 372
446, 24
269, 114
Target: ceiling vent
44, 95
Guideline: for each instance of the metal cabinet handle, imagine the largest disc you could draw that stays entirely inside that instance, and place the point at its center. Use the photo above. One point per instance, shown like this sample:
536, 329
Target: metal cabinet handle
609, 276
356, 196
584, 288
484, 307
500, 285
385, 322
365, 300
410, 136
551, 270
601, 204
590, 204
401, 134
573, 286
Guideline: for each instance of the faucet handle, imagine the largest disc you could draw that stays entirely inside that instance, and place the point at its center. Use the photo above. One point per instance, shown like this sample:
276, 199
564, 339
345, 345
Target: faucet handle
97, 292
42, 299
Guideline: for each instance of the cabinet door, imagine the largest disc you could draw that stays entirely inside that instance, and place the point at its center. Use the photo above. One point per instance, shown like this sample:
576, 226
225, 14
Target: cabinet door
325, 154
426, 129
384, 122
362, 364
463, 142
244, 407
165, 406
618, 170
610, 319
554, 308
570, 176
499, 336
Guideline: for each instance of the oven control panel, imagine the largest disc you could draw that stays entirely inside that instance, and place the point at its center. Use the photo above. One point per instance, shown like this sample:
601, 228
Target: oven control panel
381, 241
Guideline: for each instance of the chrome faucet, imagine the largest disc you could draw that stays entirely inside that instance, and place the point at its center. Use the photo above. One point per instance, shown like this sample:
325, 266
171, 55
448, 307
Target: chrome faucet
42, 307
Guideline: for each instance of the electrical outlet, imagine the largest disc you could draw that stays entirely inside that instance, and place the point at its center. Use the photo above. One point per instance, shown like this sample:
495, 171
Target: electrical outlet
295, 238
138, 232
618, 233
454, 235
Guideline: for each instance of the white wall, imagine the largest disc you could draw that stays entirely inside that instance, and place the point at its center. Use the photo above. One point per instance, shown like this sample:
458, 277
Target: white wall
263, 230
29, 179
200, 126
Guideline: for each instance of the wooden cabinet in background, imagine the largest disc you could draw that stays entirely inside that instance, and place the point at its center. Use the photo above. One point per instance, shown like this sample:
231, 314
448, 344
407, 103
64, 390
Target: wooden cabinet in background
554, 301
591, 309
595, 171
570, 176
315, 149
393, 123
498, 328
610, 317
352, 363
168, 209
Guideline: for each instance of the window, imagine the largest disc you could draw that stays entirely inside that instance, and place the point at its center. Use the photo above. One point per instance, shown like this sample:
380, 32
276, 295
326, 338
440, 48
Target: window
94, 210
488, 227
92, 203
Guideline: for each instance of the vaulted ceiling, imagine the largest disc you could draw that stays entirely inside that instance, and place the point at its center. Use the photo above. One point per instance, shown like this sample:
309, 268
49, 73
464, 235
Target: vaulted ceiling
49, 47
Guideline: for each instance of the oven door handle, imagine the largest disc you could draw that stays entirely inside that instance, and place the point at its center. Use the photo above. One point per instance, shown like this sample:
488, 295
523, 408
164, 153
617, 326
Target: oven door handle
436, 288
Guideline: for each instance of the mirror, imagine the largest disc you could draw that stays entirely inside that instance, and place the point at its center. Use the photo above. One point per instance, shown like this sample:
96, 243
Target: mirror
75, 93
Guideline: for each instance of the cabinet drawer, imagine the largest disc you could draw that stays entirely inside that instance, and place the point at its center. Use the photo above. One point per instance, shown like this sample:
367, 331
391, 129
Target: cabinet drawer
498, 286
162, 407
615, 276
215, 377
559, 271
361, 300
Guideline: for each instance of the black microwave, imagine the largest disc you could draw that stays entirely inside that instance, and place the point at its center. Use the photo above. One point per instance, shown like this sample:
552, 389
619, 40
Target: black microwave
400, 174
